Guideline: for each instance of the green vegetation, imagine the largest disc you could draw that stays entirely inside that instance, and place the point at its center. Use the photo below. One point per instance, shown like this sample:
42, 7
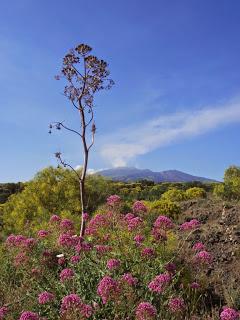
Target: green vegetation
195, 192
230, 188
53, 190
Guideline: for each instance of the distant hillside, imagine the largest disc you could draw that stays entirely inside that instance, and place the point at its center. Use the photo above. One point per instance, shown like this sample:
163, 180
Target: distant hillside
132, 174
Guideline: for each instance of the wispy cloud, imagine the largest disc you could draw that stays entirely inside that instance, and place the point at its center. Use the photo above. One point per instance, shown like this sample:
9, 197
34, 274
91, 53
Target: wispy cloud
137, 140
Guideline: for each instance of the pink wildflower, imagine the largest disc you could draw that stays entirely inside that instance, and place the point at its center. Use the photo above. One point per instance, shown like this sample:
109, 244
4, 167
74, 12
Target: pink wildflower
129, 216
29, 243
139, 207
97, 222
113, 264
113, 200
66, 274
176, 305
134, 223
195, 285
61, 260
43, 233
45, 297
67, 240
83, 247
145, 311
198, 246
163, 222
107, 288
17, 240
127, 277
103, 248
3, 312
73, 303
170, 267
203, 257
139, 238
87, 310
75, 259
85, 216
28, 315
70, 302
159, 283
66, 224
190, 225
148, 252
229, 314
54, 219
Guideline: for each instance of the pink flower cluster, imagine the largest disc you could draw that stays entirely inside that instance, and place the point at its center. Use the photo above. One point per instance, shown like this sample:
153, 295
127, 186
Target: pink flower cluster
148, 252
128, 277
139, 239
203, 257
83, 247
107, 288
176, 305
45, 297
198, 246
139, 207
170, 267
3, 312
195, 285
101, 249
113, 200
43, 233
66, 225
161, 225
20, 241
28, 315
159, 283
67, 240
75, 259
190, 225
99, 221
66, 274
73, 303
229, 314
54, 219
163, 222
132, 221
113, 264
145, 310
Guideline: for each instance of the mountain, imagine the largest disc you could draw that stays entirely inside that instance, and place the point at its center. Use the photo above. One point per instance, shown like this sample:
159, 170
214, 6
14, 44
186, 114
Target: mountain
132, 174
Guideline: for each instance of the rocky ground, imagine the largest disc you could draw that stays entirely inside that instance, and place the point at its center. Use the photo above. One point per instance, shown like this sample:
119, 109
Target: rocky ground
220, 232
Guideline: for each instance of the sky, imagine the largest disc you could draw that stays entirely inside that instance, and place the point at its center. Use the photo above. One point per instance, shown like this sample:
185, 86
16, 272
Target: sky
176, 99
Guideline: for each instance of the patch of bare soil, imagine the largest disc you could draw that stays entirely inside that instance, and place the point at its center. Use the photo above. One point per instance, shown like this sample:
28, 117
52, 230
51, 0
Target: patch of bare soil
220, 232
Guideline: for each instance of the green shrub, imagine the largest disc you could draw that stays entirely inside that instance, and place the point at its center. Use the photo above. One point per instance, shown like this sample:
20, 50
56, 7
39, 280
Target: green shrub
164, 207
174, 195
53, 190
195, 192
230, 189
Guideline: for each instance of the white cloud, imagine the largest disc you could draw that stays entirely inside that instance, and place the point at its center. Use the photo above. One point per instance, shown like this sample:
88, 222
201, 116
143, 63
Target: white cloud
131, 142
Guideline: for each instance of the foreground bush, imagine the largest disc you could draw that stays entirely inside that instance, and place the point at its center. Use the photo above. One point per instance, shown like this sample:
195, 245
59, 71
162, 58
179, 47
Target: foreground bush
126, 267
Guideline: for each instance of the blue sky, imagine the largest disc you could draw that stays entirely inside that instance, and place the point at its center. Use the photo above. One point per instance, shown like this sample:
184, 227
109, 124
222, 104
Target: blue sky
176, 102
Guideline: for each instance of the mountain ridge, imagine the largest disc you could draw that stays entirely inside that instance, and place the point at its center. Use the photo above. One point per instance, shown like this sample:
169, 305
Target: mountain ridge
128, 174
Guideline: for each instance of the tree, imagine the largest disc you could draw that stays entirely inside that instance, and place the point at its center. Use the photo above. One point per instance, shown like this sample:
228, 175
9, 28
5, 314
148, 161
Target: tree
85, 75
